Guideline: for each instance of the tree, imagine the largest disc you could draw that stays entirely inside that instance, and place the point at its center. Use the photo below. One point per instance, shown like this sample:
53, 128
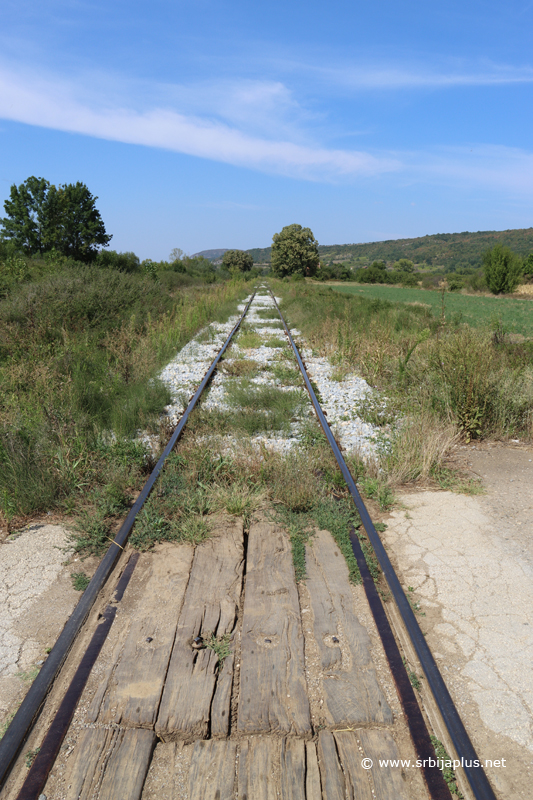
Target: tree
528, 265
74, 223
503, 269
26, 220
176, 255
42, 217
294, 250
236, 261
404, 265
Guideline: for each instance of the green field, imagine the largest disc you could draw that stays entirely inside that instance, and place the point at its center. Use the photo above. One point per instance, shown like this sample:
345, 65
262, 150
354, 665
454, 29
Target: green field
515, 315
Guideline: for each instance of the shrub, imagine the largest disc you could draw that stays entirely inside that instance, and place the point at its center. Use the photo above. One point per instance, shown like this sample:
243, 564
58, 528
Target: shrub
124, 262
503, 269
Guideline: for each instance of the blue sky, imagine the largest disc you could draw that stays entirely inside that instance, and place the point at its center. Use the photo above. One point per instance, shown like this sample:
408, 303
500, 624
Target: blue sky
207, 124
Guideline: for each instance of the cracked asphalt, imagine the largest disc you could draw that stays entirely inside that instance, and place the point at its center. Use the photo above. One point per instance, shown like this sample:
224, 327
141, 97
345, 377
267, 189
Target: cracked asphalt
36, 598
468, 562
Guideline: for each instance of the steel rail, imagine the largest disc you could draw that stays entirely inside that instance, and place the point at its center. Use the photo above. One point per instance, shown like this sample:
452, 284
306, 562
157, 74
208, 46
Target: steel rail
470, 762
22, 722
47, 754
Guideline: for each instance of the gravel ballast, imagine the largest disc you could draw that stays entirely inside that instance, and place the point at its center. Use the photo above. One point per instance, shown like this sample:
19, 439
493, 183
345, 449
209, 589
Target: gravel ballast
339, 398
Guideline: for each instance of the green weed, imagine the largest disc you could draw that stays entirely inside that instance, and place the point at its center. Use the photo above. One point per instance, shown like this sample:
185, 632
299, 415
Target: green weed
378, 490
453, 481
80, 581
220, 645
92, 534
447, 773
7, 722
29, 675
30, 756
240, 367
413, 677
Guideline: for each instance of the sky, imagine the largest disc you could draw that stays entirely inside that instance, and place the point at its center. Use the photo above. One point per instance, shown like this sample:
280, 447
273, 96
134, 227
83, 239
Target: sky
214, 123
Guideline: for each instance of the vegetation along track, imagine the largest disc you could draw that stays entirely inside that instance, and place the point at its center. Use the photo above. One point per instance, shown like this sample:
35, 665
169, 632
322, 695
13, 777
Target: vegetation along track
239, 409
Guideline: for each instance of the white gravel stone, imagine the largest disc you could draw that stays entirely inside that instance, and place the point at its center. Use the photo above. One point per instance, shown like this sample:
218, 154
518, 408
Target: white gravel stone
340, 399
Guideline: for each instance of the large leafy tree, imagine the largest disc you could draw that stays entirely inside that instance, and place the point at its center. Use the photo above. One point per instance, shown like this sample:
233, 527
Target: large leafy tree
26, 220
236, 261
75, 226
503, 269
294, 251
42, 217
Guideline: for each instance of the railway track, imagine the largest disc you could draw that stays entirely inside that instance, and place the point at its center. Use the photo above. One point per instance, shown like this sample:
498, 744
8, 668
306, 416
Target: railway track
214, 668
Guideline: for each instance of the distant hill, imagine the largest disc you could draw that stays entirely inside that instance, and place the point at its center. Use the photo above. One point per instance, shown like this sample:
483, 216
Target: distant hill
446, 250
212, 255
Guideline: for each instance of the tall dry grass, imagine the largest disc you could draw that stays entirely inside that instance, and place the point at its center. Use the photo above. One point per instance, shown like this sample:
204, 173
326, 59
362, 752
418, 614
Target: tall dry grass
445, 381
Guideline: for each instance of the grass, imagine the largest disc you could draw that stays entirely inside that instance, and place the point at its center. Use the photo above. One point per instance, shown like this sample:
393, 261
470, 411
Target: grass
244, 395
478, 311
240, 367
248, 339
220, 645
79, 355
269, 324
442, 380
267, 313
286, 374
274, 341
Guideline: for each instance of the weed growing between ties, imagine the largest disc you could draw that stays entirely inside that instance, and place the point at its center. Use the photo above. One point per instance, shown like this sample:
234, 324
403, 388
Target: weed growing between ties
303, 489
79, 355
220, 645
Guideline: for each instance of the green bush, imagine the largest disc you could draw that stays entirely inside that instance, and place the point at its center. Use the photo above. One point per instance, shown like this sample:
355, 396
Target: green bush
123, 262
503, 269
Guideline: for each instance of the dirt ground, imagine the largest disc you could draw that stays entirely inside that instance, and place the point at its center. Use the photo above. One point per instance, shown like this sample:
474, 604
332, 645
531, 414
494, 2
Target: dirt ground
467, 563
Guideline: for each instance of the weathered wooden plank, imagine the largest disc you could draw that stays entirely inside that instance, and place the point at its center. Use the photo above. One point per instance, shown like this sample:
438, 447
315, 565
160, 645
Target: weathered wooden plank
192, 688
109, 764
352, 694
357, 779
212, 770
312, 778
258, 774
333, 784
273, 688
133, 691
292, 769
388, 781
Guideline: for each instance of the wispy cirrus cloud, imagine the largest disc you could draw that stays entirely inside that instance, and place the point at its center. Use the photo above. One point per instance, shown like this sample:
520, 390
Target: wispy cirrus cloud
223, 120
64, 106
366, 75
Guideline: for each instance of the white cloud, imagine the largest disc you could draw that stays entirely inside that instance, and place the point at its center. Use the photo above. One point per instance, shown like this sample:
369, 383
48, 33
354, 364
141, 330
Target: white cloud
508, 169
213, 122
368, 76
55, 104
